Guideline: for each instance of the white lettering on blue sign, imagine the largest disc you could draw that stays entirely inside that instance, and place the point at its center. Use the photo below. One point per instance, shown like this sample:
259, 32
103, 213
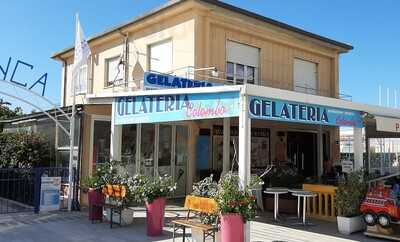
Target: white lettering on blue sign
263, 108
163, 108
163, 81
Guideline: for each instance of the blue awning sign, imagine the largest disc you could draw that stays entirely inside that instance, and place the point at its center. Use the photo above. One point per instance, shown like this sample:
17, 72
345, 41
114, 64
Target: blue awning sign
175, 107
279, 110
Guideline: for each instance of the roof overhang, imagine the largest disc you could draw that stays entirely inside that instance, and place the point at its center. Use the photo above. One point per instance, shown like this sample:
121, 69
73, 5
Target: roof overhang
259, 91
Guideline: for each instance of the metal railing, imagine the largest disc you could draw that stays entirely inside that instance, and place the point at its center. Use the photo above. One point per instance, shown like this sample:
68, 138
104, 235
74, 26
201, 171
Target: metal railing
209, 74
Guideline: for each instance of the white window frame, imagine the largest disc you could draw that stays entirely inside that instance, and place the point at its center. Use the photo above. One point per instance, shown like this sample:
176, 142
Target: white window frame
109, 83
245, 80
149, 56
93, 118
237, 61
306, 89
78, 81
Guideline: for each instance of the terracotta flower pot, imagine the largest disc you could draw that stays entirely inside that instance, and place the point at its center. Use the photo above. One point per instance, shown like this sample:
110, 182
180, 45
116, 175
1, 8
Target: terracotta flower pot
155, 216
232, 228
96, 202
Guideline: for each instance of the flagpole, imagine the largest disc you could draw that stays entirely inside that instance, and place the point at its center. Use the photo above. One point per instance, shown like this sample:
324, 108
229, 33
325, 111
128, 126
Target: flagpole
72, 137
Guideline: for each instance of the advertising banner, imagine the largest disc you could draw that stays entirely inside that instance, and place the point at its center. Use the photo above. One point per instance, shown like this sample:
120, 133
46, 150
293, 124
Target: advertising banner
175, 107
50, 193
280, 110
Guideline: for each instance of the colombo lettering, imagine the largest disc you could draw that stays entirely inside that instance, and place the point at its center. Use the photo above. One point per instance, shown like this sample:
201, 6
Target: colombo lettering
169, 103
167, 81
269, 109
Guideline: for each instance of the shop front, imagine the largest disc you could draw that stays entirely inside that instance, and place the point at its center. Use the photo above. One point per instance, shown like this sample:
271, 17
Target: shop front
190, 133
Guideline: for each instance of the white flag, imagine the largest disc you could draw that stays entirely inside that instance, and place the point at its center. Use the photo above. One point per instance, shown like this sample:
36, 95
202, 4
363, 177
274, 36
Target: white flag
81, 55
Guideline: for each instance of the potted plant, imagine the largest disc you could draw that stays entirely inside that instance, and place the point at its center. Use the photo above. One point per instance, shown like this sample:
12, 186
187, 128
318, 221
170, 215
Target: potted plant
349, 196
236, 205
153, 191
110, 172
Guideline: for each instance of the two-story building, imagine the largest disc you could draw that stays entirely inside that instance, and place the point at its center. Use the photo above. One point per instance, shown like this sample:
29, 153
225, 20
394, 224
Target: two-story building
286, 79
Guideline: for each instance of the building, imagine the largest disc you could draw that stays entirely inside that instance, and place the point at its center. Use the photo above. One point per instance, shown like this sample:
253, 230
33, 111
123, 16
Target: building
268, 86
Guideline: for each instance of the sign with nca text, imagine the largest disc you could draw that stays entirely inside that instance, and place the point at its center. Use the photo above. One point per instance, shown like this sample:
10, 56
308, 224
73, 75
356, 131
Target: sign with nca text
175, 107
154, 80
279, 110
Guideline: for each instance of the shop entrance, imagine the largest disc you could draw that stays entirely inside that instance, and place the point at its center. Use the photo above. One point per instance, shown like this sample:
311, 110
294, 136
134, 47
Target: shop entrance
164, 151
302, 151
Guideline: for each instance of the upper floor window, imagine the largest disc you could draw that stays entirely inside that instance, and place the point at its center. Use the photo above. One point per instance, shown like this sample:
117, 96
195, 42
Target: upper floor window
242, 63
81, 80
305, 76
160, 56
114, 71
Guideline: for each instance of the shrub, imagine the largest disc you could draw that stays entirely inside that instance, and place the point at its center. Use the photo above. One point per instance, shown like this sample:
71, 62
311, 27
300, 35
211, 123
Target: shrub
23, 150
350, 194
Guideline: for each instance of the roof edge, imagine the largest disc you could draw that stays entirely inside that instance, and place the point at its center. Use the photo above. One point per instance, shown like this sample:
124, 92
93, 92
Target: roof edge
218, 3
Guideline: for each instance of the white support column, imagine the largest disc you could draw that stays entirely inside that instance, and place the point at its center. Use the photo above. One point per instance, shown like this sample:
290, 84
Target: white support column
358, 148
226, 146
115, 139
244, 151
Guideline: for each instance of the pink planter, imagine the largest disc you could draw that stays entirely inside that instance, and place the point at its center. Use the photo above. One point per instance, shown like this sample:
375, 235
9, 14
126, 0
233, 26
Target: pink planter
232, 228
155, 216
96, 202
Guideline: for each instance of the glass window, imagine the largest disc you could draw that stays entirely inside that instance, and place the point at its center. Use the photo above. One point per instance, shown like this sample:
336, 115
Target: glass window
147, 149
181, 157
114, 71
239, 74
164, 150
161, 57
101, 141
128, 149
230, 71
250, 73
81, 80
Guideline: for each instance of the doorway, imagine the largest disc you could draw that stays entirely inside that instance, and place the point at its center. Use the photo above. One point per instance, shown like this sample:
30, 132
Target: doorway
302, 151
164, 151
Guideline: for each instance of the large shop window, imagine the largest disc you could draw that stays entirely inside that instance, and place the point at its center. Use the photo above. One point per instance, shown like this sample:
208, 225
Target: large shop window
128, 147
147, 150
260, 147
101, 141
160, 57
242, 63
114, 71
305, 74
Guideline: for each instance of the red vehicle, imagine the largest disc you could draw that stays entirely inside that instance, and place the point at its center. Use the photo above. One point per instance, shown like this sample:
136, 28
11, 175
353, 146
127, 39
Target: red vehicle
380, 207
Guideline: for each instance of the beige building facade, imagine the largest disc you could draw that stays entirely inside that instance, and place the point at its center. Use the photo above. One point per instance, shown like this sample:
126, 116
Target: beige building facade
204, 40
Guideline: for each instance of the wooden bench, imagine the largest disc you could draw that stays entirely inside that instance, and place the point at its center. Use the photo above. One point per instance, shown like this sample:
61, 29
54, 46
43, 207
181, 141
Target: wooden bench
199, 205
115, 195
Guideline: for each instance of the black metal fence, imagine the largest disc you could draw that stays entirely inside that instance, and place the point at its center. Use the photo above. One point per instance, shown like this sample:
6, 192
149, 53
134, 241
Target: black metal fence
20, 187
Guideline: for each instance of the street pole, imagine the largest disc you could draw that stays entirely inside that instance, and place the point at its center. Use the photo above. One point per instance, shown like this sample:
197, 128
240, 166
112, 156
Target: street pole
71, 147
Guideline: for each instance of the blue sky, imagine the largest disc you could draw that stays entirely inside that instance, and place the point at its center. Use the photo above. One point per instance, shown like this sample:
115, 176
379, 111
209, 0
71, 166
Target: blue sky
31, 31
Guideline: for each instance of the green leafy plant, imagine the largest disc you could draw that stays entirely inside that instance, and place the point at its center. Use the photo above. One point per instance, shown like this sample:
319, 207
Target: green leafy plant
23, 150
350, 194
232, 198
147, 189
110, 172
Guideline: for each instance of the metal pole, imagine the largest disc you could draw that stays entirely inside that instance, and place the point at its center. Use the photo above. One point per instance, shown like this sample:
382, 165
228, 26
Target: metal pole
72, 133
71, 148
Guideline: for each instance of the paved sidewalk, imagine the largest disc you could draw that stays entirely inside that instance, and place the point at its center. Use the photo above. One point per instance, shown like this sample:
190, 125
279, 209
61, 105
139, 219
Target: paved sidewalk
75, 227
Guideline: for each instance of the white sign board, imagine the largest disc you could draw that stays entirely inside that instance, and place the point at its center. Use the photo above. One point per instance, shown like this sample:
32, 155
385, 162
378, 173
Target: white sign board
387, 124
347, 166
50, 193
